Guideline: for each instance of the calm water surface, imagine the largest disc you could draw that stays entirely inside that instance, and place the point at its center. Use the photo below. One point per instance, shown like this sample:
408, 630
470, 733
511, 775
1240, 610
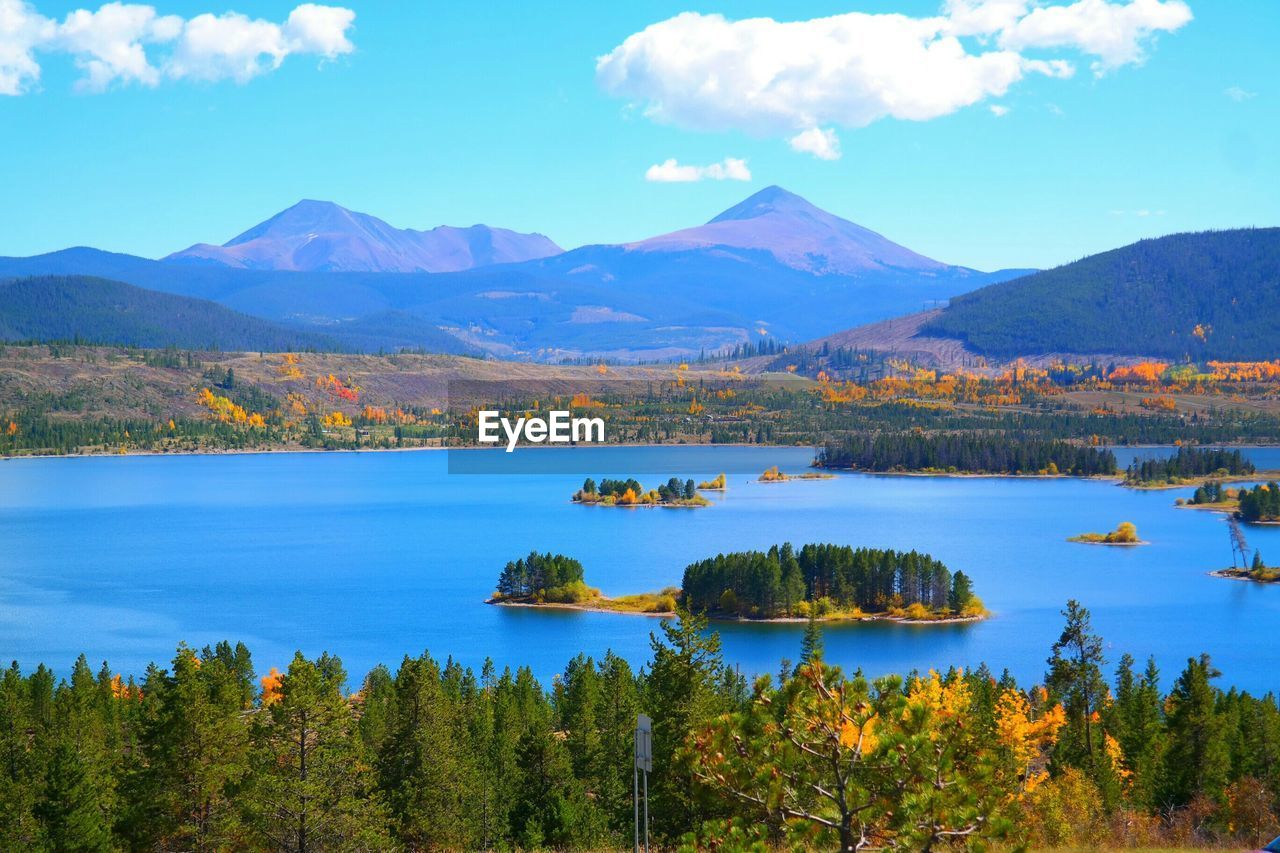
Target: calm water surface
375, 555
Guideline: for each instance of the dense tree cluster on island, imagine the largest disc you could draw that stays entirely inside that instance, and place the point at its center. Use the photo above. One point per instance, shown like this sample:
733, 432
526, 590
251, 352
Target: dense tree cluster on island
203, 754
1211, 492
970, 454
1261, 503
544, 577
826, 580
629, 492
1188, 463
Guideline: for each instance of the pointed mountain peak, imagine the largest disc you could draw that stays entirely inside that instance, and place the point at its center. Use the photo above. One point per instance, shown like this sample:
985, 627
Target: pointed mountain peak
772, 199
308, 216
798, 234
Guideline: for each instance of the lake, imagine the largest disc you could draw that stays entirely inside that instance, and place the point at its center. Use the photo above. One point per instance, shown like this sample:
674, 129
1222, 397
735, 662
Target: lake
375, 555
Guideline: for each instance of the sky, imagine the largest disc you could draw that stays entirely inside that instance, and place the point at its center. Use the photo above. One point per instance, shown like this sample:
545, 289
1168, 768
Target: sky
988, 133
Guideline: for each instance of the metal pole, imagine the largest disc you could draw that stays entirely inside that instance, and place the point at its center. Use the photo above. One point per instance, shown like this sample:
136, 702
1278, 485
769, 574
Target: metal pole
646, 811
635, 798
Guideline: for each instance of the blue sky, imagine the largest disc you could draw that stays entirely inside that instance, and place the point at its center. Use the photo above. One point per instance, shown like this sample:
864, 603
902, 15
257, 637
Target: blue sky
452, 113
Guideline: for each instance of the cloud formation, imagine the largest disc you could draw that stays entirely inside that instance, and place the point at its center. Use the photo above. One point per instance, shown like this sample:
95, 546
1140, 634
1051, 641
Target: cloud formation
823, 144
1239, 95
671, 172
128, 43
792, 79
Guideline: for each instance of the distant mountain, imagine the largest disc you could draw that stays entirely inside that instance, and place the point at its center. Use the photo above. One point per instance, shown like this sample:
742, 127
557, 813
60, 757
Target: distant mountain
319, 236
773, 267
798, 235
96, 310
1214, 295
785, 267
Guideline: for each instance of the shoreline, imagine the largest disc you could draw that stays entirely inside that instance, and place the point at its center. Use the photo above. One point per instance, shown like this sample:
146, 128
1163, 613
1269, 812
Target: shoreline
776, 620
1241, 575
1261, 476
1075, 540
290, 448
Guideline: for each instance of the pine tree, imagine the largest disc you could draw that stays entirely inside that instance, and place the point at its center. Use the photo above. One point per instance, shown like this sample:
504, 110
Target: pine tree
424, 771
681, 694
312, 785
69, 808
811, 647
1197, 760
195, 743
1075, 679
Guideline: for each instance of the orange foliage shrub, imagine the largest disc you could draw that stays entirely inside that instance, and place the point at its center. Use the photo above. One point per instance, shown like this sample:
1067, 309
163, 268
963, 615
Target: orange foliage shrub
334, 386
271, 683
1144, 371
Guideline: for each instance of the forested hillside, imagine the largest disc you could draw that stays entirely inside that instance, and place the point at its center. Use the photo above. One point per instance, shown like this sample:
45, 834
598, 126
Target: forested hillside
1214, 295
97, 310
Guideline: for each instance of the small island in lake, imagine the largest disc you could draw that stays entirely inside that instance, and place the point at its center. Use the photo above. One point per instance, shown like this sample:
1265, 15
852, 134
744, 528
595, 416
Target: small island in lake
1126, 533
1259, 572
820, 582
629, 493
773, 475
719, 484
554, 580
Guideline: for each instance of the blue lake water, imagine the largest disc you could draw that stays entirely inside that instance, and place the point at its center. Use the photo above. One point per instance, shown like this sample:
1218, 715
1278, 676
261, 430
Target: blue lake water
375, 555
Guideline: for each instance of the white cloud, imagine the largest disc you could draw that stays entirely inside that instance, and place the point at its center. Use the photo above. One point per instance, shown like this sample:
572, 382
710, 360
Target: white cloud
982, 17
21, 30
789, 79
823, 144
109, 44
671, 172
1113, 32
999, 110
1239, 95
117, 43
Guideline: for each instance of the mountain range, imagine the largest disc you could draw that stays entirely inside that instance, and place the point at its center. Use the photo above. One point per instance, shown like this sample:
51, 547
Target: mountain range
319, 236
773, 266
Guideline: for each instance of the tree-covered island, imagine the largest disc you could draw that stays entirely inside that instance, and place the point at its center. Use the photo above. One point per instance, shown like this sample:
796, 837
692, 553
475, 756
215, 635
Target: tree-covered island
557, 581
629, 493
949, 453
822, 582
829, 582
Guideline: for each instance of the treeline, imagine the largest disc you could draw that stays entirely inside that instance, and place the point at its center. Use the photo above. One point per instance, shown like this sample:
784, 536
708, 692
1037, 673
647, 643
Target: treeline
821, 579
30, 432
549, 576
205, 754
1189, 462
972, 454
1261, 503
